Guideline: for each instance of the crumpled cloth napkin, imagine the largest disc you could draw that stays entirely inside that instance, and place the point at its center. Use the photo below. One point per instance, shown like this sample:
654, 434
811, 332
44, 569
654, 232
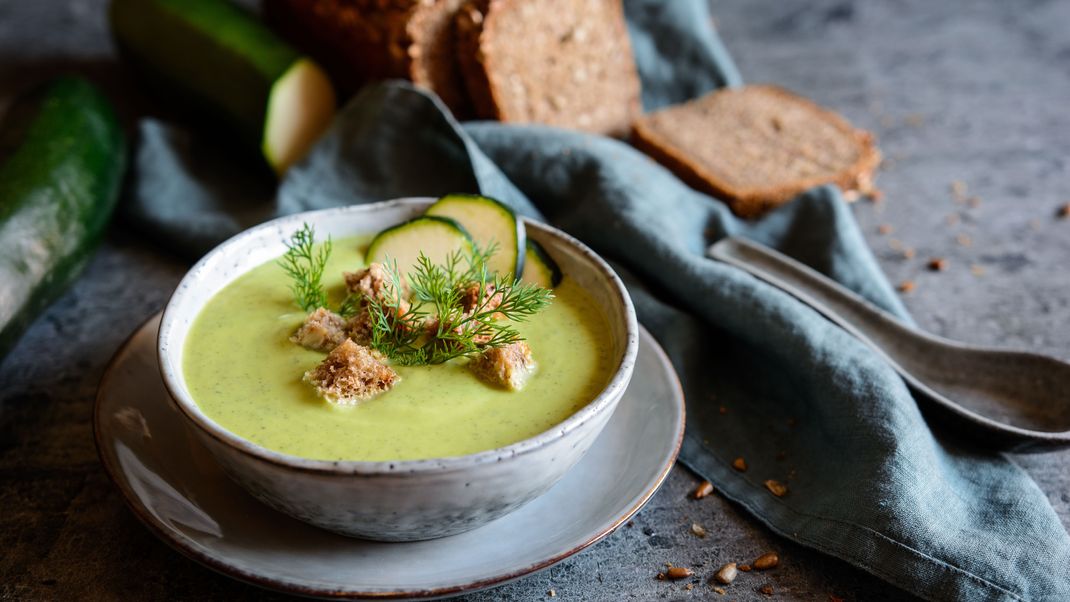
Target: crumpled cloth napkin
766, 378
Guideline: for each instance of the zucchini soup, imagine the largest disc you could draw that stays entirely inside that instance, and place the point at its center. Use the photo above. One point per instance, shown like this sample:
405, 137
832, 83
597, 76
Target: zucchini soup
244, 370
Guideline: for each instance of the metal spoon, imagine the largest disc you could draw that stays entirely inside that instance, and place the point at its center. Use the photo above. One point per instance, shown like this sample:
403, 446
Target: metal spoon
1012, 400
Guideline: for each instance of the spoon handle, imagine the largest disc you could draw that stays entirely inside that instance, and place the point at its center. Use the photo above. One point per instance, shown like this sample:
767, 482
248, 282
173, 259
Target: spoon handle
878, 329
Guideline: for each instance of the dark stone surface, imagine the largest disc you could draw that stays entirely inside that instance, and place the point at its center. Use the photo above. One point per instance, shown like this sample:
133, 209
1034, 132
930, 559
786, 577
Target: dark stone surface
970, 91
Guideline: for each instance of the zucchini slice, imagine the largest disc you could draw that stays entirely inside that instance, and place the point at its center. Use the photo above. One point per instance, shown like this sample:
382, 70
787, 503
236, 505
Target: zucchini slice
487, 221
539, 267
213, 56
435, 237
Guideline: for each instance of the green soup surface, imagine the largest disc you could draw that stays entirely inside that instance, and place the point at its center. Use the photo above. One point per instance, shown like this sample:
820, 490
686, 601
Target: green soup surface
245, 374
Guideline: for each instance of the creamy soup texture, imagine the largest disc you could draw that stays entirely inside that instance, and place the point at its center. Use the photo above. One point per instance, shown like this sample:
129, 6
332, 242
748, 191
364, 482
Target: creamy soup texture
245, 374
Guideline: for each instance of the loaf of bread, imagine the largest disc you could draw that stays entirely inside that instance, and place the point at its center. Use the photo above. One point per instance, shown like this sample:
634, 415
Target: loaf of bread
364, 40
566, 63
758, 146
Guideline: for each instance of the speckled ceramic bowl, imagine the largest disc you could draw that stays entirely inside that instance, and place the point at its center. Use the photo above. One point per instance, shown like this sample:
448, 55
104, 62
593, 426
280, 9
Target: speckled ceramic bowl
403, 500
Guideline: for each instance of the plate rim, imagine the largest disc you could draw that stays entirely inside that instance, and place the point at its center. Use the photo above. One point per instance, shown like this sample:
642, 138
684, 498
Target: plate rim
132, 502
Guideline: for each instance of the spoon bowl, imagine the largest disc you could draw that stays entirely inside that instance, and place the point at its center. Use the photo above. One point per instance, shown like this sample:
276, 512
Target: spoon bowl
1012, 400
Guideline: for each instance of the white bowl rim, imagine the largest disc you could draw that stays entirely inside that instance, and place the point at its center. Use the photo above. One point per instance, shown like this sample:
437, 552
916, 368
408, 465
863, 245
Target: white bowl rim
185, 403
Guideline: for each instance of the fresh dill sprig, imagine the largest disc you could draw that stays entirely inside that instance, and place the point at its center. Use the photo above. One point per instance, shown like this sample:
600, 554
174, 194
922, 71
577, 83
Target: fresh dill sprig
401, 333
305, 267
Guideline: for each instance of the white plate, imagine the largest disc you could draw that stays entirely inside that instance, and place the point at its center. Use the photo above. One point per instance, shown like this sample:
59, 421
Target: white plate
173, 485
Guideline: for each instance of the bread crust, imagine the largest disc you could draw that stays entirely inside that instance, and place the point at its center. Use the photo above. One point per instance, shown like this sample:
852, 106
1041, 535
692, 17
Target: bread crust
754, 201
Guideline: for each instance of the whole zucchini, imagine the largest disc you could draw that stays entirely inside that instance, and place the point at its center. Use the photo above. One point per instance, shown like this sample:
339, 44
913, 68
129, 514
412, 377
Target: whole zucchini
62, 155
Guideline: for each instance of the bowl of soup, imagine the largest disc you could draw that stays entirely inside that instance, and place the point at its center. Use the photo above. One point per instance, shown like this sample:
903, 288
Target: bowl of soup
441, 452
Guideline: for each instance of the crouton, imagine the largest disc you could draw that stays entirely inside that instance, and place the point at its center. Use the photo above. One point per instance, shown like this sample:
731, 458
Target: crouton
359, 327
323, 330
471, 299
351, 374
373, 282
508, 367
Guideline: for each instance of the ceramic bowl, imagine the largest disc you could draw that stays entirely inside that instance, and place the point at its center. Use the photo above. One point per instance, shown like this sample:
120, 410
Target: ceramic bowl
402, 500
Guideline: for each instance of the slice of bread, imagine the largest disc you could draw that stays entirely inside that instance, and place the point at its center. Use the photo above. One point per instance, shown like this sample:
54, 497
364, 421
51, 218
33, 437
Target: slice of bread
566, 63
364, 40
757, 147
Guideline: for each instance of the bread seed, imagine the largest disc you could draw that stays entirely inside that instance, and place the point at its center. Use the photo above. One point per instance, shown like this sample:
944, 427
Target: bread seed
698, 529
776, 488
766, 561
740, 464
720, 591
726, 574
704, 488
679, 572
937, 264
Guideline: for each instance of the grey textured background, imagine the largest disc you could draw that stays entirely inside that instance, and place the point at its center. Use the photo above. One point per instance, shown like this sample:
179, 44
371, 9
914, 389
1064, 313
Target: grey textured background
958, 90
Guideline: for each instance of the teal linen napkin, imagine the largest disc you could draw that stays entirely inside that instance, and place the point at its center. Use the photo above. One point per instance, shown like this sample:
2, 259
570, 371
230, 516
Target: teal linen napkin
869, 479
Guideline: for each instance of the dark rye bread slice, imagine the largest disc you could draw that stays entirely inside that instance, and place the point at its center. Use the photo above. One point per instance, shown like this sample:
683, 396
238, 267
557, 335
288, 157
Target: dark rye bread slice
365, 40
757, 147
566, 63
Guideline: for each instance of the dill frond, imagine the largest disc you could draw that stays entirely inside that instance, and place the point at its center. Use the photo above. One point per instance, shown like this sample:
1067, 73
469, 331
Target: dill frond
305, 267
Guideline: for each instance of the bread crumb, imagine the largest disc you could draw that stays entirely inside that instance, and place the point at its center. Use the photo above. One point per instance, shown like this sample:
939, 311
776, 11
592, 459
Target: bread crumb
937, 264
776, 488
740, 464
906, 286
552, 593
704, 488
508, 367
958, 190
350, 374
322, 330
1064, 211
766, 589
964, 240
974, 202
884, 229
977, 270
698, 530
472, 299
952, 219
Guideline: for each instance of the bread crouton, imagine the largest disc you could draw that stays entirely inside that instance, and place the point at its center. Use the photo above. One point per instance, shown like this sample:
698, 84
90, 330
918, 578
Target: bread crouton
373, 282
471, 299
508, 367
323, 330
359, 327
351, 374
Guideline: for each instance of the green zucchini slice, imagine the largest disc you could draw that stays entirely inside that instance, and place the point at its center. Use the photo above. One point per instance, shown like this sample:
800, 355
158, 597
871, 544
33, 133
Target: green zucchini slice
488, 221
212, 56
435, 237
539, 267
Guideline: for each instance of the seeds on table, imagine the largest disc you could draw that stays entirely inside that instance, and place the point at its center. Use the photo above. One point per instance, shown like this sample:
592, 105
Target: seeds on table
766, 561
776, 488
727, 573
679, 572
704, 488
740, 464
698, 529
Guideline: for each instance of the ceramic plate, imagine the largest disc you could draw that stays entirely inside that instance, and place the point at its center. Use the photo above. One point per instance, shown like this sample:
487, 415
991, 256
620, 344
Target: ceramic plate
175, 487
